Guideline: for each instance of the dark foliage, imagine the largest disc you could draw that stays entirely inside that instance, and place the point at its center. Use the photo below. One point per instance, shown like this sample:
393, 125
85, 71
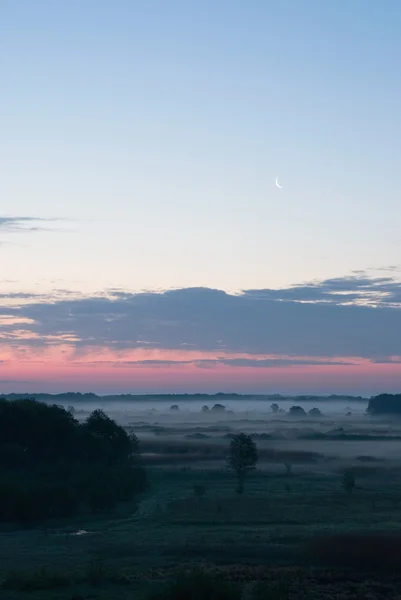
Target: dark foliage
385, 404
297, 411
53, 466
218, 408
242, 458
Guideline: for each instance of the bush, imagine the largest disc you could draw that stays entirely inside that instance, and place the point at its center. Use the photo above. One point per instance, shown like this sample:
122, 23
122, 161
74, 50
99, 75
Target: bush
315, 412
218, 408
297, 411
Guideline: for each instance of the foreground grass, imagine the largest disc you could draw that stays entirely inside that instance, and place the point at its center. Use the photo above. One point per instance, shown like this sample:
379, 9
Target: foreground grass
237, 583
254, 537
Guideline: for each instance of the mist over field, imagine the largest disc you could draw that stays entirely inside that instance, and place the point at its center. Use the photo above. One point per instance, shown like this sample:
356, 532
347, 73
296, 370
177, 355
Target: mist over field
120, 490
197, 431
237, 408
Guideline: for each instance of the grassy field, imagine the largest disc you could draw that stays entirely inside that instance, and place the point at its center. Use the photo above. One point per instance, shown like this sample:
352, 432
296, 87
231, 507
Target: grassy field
263, 535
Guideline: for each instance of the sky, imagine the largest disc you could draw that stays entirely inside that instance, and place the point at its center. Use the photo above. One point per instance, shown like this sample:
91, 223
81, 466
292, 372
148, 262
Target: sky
144, 245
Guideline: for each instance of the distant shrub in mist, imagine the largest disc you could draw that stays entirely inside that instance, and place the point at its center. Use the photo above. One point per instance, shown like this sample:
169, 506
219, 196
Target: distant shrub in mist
315, 412
218, 408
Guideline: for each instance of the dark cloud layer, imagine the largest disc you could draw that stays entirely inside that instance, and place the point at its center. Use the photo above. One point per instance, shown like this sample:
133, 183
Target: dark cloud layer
324, 319
231, 362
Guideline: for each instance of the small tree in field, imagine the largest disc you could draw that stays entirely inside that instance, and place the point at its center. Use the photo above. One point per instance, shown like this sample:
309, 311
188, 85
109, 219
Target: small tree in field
242, 458
348, 482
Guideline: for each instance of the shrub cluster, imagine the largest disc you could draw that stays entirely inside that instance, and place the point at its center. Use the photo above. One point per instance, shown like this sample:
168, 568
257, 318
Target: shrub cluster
52, 465
385, 404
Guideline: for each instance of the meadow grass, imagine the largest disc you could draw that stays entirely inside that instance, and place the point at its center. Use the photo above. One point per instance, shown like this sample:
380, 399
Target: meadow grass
268, 527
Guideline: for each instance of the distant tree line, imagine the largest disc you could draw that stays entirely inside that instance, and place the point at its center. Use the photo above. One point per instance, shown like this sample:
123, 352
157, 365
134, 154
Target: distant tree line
92, 397
51, 465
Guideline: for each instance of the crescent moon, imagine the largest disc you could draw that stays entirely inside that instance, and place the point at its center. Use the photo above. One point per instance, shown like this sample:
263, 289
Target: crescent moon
277, 184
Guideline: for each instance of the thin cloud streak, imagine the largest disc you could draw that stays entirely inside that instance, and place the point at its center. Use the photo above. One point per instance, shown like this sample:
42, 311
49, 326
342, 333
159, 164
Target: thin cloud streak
214, 362
17, 224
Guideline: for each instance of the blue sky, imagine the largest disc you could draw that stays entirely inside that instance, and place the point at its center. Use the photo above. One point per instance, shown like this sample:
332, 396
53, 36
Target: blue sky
147, 137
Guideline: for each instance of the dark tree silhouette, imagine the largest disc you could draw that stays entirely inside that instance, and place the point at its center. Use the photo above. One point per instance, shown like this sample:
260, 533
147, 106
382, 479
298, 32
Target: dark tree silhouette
51, 465
315, 412
297, 411
242, 458
385, 404
218, 408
